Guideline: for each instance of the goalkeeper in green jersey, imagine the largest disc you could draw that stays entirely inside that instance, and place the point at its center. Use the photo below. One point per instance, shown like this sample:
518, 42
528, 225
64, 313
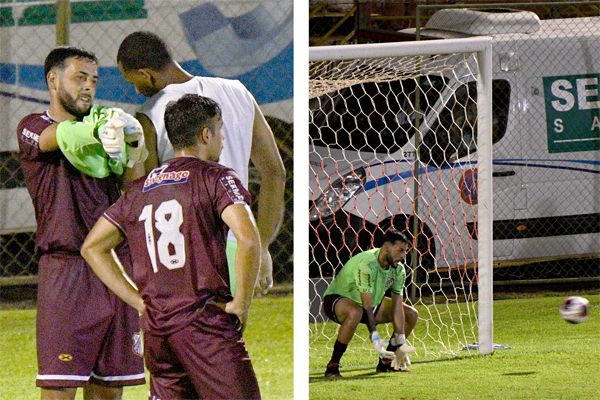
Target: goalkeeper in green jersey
357, 295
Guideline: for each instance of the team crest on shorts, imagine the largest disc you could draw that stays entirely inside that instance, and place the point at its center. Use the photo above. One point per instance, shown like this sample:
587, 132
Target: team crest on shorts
137, 344
64, 357
389, 282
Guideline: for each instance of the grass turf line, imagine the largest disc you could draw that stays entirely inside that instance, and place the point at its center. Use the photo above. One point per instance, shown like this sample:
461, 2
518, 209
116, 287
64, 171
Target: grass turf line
550, 359
270, 317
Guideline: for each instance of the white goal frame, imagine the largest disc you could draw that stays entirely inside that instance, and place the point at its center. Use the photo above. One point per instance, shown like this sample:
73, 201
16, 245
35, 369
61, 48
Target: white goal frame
482, 47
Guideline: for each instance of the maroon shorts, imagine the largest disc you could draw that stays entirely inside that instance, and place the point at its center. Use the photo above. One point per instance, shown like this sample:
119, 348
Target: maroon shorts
84, 332
207, 359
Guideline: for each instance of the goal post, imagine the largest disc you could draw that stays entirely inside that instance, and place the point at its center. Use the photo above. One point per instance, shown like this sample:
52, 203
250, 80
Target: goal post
383, 120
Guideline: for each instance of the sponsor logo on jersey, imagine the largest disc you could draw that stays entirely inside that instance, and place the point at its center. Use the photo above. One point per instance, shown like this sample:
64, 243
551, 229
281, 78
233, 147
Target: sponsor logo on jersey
32, 136
232, 188
64, 357
158, 178
137, 344
389, 282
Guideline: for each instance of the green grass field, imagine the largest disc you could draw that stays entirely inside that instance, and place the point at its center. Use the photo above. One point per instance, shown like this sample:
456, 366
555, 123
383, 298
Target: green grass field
549, 359
270, 317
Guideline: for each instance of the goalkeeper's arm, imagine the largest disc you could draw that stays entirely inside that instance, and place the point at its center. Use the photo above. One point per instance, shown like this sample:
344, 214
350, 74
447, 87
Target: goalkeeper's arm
398, 340
378, 343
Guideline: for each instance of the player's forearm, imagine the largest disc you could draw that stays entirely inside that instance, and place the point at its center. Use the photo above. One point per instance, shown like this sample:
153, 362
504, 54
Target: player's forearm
371, 324
399, 322
270, 207
106, 269
246, 270
132, 174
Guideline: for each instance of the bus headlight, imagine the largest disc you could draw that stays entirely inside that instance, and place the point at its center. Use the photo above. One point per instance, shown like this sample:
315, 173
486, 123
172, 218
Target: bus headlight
337, 194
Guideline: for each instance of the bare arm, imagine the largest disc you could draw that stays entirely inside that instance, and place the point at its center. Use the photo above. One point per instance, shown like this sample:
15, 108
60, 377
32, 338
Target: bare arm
367, 301
96, 250
398, 313
150, 139
132, 174
267, 160
241, 222
48, 139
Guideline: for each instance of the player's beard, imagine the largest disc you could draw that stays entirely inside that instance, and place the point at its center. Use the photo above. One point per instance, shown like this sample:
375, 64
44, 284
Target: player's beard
390, 261
69, 103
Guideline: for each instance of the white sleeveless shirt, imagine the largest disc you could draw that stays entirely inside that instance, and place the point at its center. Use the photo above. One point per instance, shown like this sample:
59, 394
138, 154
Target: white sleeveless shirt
237, 108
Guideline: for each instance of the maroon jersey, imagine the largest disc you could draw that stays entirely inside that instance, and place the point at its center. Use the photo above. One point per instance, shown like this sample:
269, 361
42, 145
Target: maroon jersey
67, 202
172, 220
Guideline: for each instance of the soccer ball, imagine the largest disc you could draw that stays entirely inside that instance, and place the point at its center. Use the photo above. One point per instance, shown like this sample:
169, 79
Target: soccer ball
575, 309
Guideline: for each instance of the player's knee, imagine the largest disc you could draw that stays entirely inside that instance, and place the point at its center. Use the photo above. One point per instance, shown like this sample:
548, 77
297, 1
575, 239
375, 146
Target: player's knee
411, 315
354, 316
94, 391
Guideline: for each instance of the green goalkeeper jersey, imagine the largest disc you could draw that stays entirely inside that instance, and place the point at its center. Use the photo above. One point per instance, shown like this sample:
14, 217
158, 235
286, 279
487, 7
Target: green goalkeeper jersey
363, 274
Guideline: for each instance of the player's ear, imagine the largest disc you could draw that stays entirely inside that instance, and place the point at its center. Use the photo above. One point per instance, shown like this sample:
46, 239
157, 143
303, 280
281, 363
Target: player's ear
149, 75
52, 79
205, 135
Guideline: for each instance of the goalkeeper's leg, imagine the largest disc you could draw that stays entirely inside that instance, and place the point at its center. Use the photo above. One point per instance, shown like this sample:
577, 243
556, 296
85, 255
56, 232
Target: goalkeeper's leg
346, 313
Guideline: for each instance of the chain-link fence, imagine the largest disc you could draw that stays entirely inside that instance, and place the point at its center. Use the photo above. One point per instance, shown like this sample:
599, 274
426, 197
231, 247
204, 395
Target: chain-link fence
248, 40
362, 21
546, 117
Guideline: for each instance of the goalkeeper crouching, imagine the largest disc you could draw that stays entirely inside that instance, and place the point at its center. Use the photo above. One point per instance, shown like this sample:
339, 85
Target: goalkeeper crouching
357, 295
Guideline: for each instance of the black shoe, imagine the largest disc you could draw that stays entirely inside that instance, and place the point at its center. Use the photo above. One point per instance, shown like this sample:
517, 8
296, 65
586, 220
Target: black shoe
333, 371
385, 366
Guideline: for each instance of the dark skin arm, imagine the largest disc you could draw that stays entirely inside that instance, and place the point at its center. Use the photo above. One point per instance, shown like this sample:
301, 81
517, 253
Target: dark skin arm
150, 140
398, 313
367, 300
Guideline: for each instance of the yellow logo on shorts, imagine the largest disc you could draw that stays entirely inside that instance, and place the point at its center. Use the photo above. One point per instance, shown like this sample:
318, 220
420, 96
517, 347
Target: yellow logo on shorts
65, 357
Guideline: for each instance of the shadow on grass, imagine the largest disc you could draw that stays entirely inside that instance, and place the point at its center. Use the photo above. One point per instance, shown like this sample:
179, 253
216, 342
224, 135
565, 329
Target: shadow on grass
520, 373
367, 373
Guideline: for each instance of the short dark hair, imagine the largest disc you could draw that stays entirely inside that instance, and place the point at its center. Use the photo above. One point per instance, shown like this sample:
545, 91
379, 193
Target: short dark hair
58, 56
393, 235
186, 116
143, 49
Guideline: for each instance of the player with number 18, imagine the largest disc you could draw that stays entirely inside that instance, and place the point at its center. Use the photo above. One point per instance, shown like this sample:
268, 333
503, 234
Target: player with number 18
175, 220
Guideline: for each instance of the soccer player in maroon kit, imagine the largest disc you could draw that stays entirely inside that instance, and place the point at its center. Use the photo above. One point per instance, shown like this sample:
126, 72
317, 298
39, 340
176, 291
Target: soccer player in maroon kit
176, 220
86, 336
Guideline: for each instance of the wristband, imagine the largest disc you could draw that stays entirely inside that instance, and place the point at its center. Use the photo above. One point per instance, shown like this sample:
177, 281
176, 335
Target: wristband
375, 336
398, 339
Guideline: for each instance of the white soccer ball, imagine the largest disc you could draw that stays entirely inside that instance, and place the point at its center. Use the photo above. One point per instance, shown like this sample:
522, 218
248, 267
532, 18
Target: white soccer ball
575, 309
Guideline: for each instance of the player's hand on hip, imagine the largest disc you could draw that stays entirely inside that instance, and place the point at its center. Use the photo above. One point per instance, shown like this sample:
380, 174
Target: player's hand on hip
112, 138
379, 346
264, 281
241, 312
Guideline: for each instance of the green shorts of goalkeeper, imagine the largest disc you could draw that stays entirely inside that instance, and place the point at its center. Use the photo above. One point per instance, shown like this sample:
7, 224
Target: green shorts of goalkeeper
357, 295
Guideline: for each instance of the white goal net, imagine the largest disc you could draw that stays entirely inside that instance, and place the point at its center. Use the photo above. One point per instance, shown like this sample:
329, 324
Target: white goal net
404, 141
